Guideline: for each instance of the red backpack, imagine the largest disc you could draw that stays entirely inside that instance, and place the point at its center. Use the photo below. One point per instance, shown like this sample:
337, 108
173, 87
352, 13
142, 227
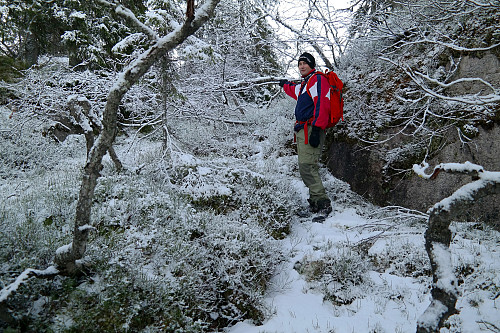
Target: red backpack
336, 98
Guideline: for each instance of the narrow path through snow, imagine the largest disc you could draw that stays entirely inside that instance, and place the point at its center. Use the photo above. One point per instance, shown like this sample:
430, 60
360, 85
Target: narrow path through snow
392, 305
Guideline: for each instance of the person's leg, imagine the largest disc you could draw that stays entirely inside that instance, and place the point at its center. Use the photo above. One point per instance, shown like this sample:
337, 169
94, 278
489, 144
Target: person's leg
309, 171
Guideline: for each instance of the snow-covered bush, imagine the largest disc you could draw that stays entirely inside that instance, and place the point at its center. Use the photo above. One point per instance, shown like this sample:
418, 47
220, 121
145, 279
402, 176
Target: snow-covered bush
184, 239
341, 273
37, 193
192, 261
395, 252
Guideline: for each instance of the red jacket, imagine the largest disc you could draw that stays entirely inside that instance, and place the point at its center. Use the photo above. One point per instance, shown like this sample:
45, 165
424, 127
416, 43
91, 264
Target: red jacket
313, 106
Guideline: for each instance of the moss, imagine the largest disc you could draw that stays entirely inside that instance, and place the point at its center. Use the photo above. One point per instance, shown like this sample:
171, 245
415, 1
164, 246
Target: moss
219, 204
10, 69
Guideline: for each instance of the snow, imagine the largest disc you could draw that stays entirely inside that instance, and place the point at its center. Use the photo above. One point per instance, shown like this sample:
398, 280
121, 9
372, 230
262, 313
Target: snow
5, 292
465, 193
69, 36
64, 249
78, 15
393, 303
430, 318
131, 40
445, 273
452, 167
86, 228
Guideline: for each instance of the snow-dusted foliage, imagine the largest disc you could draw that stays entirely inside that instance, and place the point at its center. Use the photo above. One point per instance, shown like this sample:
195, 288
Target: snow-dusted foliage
342, 274
404, 79
193, 237
197, 233
46, 88
192, 231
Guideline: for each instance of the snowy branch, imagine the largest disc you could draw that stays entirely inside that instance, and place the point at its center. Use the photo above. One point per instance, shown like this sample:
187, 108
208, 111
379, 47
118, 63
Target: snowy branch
475, 99
21, 279
259, 80
453, 46
461, 80
438, 236
486, 4
463, 168
129, 16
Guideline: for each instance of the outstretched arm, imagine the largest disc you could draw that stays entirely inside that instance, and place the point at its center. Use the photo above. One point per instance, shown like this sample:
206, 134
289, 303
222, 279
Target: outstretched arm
291, 89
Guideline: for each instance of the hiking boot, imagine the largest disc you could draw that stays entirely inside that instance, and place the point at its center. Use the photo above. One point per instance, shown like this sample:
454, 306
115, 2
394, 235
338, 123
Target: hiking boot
303, 213
307, 211
324, 207
313, 206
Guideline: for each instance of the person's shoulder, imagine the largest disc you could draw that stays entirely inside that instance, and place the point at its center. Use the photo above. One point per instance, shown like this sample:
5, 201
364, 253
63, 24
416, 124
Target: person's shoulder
321, 76
314, 77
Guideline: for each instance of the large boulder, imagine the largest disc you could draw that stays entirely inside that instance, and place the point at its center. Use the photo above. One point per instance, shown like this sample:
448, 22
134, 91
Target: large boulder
363, 168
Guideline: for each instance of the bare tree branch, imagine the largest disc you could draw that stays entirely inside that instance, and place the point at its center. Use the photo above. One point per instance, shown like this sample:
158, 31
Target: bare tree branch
474, 99
129, 16
313, 43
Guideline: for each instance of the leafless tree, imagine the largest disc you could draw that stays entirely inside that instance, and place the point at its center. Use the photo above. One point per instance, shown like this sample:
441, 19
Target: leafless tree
317, 25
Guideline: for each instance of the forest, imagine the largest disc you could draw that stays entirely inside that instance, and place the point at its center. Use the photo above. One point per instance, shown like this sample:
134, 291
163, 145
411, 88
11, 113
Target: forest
149, 176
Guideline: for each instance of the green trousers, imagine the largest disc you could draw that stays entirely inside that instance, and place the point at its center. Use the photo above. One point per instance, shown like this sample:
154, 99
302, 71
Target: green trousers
308, 165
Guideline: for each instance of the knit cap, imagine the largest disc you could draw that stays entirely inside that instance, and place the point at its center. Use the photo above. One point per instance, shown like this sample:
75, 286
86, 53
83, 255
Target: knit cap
308, 58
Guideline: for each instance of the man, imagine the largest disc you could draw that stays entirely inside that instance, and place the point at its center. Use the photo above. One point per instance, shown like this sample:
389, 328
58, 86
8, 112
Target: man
311, 114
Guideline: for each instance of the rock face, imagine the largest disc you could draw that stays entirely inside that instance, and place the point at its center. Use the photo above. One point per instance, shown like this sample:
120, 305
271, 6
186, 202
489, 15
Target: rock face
486, 67
364, 167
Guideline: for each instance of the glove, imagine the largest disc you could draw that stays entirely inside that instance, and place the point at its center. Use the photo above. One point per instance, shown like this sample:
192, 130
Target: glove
282, 82
314, 137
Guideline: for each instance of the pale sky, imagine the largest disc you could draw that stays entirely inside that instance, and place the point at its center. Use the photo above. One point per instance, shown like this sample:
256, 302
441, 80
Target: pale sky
293, 13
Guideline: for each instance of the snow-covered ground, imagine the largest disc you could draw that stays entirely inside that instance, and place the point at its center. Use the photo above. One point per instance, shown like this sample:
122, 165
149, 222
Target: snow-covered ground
364, 269
393, 304
389, 299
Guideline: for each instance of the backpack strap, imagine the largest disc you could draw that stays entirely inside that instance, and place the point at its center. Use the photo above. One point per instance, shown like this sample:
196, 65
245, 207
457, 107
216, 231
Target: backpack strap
306, 134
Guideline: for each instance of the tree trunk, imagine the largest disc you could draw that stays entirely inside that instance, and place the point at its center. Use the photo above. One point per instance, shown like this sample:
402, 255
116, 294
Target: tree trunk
31, 49
68, 257
438, 238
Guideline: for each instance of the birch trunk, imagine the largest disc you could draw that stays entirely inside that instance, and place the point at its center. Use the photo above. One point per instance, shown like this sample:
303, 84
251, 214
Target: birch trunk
68, 258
